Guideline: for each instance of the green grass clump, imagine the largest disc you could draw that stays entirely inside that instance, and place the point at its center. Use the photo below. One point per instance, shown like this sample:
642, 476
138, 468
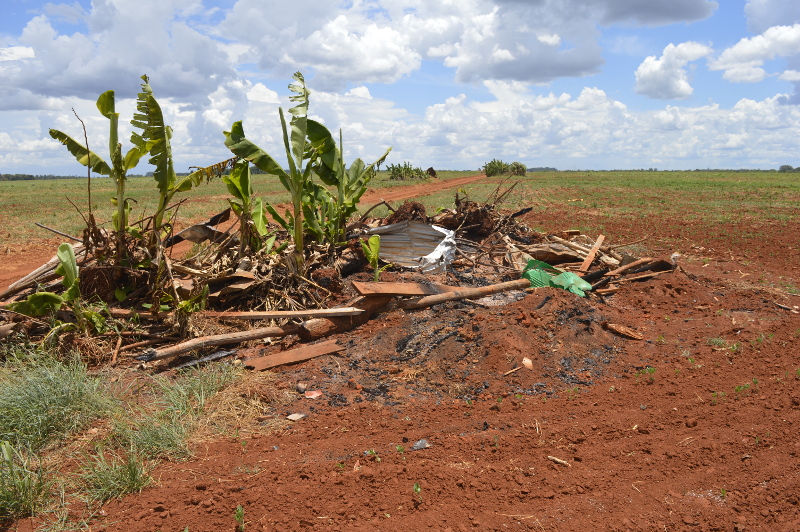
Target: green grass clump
43, 399
165, 431
23, 491
106, 478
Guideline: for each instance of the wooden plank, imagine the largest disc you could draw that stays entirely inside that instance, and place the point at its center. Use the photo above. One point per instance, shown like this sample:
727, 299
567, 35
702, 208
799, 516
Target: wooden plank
402, 289
255, 315
300, 354
592, 252
276, 314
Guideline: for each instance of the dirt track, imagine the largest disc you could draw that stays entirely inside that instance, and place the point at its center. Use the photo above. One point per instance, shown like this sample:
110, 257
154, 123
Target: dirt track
707, 441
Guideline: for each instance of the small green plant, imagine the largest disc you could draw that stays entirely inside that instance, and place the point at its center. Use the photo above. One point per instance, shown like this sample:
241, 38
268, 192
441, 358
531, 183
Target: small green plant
405, 171
723, 493
106, 478
716, 397
400, 449
518, 395
417, 490
238, 516
372, 248
744, 389
648, 372
374, 454
340, 466
23, 492
717, 342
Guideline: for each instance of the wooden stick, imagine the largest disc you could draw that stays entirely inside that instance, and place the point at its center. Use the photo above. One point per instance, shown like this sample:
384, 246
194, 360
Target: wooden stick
218, 339
630, 266
65, 235
592, 252
151, 341
573, 245
116, 351
559, 461
640, 277
427, 301
509, 372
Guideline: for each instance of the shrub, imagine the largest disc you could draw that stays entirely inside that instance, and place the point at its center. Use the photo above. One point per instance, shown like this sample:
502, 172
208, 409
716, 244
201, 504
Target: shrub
405, 171
517, 168
495, 167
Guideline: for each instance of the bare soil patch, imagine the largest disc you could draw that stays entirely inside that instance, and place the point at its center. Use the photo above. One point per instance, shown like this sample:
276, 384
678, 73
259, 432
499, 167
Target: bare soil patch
588, 439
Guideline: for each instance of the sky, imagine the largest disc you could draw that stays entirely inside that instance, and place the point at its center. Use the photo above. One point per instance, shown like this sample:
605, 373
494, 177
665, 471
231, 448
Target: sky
452, 84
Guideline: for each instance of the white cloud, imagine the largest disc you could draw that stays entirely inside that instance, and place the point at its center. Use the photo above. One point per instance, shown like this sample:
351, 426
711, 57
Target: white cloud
790, 75
666, 78
337, 53
359, 92
15, 53
260, 93
742, 62
550, 40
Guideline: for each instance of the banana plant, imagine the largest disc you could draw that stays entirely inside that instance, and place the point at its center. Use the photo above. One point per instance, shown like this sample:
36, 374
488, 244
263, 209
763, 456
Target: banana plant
118, 168
294, 140
329, 217
155, 139
252, 218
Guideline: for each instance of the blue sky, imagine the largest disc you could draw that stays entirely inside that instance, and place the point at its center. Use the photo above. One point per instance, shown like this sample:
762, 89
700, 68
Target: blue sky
575, 84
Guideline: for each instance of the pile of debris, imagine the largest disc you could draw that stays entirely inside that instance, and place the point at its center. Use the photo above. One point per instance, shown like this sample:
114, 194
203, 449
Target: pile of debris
475, 249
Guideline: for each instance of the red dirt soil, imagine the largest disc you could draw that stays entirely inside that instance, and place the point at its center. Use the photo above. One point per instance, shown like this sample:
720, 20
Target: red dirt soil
635, 450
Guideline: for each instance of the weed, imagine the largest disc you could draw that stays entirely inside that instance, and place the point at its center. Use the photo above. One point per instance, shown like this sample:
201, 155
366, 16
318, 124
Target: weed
106, 478
42, 398
717, 342
400, 449
499, 399
371, 250
23, 492
717, 396
417, 490
373, 453
340, 466
744, 389
518, 395
723, 493
238, 516
649, 371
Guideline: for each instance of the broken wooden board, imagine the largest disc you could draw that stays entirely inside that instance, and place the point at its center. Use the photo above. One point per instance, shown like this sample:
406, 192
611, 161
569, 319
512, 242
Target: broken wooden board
623, 330
402, 289
300, 354
592, 252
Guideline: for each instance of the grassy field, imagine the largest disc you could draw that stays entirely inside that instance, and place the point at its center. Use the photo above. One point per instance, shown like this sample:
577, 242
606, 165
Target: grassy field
718, 197
24, 202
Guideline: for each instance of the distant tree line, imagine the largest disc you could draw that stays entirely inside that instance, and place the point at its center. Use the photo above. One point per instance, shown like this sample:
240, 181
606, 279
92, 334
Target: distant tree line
788, 168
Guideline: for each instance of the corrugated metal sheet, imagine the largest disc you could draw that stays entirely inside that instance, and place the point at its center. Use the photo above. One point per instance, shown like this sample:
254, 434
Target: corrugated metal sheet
414, 244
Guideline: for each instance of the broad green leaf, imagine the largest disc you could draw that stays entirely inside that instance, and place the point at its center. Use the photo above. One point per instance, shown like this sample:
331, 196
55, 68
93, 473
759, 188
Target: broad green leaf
105, 104
244, 149
259, 216
68, 266
286, 223
38, 304
78, 150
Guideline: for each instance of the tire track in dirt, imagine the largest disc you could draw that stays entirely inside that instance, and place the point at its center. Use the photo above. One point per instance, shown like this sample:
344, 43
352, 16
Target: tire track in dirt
415, 191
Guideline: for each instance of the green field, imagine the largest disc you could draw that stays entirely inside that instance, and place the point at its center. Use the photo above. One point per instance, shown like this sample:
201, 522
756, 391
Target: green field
713, 196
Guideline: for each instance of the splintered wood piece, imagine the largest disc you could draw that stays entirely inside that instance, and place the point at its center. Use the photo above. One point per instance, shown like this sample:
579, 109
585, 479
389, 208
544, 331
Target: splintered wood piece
300, 354
592, 252
402, 289
640, 277
465, 293
623, 330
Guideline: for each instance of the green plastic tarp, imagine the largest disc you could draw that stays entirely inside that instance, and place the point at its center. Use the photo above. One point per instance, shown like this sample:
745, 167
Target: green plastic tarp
536, 272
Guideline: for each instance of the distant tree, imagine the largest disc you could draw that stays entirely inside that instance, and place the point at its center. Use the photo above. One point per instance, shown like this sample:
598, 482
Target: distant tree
786, 168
